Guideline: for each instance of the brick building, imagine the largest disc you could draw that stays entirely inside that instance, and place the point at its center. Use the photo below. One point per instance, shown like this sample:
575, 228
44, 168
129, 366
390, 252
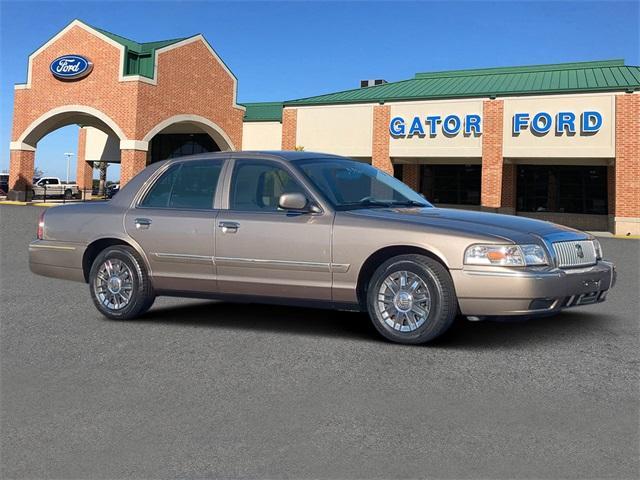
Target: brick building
557, 142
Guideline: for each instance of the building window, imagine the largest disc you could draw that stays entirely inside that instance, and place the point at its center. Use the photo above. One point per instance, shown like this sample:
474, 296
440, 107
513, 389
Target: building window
562, 189
398, 171
451, 184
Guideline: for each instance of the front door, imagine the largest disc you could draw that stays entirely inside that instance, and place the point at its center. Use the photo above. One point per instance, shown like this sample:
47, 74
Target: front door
262, 250
174, 223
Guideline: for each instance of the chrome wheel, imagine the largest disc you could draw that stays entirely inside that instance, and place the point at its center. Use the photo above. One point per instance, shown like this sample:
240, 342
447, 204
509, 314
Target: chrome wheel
113, 284
404, 301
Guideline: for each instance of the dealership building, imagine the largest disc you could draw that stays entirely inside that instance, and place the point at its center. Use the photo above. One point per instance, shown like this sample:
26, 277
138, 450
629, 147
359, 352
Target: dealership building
558, 142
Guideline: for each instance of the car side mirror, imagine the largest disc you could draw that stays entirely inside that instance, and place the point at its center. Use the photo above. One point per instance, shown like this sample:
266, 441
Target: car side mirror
292, 201
296, 202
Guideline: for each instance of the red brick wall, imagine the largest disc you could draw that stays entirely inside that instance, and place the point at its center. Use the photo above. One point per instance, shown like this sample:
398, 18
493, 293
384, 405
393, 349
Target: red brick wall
21, 165
627, 167
204, 88
100, 89
491, 189
132, 163
84, 170
380, 149
508, 202
289, 127
411, 176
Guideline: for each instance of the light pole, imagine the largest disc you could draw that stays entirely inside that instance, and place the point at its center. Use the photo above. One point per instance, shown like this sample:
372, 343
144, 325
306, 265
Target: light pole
68, 155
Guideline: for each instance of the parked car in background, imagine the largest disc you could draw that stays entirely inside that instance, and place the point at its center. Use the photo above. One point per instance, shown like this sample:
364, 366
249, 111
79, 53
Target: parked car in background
113, 189
314, 229
52, 187
4, 183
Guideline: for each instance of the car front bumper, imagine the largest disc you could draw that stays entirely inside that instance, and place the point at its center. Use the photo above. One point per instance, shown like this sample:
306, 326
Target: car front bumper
507, 292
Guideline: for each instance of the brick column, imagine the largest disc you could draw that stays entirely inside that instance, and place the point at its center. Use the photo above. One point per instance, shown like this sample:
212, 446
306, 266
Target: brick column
132, 162
627, 167
84, 169
491, 188
289, 127
21, 166
411, 175
508, 197
380, 146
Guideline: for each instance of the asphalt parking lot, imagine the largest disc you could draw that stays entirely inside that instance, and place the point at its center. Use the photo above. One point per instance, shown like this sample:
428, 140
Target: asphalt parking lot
205, 389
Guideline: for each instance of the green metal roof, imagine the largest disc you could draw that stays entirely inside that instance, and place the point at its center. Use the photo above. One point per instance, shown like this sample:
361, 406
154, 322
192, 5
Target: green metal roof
263, 112
581, 77
140, 57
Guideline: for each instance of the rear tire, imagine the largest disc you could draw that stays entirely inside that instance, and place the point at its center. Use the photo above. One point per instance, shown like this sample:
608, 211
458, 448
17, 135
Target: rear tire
119, 284
68, 194
411, 299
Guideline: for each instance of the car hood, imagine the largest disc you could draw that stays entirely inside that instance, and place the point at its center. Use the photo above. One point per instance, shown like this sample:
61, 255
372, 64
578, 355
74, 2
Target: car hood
509, 227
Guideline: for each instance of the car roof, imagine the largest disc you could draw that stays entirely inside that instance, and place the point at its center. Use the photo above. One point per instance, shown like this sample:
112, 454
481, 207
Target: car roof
286, 155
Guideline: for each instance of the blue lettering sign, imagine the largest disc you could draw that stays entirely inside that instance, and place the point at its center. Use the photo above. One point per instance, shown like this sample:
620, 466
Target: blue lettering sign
565, 120
396, 126
70, 67
472, 122
591, 122
539, 127
416, 127
433, 123
520, 121
451, 124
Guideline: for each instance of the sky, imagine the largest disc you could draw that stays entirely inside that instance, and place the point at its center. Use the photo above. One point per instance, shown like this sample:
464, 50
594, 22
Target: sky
287, 50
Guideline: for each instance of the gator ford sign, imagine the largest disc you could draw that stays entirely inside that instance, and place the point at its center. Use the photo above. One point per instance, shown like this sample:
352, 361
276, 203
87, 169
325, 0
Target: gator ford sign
539, 123
432, 125
71, 67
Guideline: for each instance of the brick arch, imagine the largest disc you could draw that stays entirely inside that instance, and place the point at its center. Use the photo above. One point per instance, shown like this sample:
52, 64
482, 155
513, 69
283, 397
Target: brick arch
67, 115
211, 128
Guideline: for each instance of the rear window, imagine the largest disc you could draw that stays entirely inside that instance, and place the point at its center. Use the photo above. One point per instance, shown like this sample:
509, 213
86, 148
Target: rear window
190, 185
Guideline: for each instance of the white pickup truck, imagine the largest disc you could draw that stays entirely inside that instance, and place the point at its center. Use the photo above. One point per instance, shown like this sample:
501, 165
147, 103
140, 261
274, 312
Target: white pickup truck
53, 187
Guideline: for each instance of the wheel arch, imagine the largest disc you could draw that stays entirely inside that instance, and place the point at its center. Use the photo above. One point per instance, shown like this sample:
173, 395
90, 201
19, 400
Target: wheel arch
98, 245
382, 255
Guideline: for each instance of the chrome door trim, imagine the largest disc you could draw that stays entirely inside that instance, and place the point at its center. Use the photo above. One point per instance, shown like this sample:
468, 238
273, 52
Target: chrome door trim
340, 267
183, 258
277, 264
282, 264
50, 247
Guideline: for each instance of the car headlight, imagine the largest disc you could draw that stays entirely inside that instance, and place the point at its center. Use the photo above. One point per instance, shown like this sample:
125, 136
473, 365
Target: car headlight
598, 249
505, 255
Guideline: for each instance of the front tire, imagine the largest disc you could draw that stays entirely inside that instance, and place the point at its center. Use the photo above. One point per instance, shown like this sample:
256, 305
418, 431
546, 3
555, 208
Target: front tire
411, 299
119, 284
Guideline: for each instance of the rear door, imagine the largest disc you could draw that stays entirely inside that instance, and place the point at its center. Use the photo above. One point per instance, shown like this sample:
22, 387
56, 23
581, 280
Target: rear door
174, 223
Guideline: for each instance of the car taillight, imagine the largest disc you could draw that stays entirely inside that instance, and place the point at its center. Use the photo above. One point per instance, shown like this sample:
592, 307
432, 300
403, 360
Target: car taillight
41, 226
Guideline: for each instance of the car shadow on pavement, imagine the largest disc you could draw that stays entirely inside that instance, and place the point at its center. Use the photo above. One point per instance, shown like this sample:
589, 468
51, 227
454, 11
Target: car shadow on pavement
271, 318
357, 326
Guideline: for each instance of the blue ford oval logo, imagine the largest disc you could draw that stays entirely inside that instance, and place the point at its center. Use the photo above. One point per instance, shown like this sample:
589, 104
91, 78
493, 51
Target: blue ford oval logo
70, 67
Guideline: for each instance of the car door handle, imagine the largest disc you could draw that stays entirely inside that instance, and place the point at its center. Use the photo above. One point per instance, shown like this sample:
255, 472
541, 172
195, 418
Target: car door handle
143, 223
229, 227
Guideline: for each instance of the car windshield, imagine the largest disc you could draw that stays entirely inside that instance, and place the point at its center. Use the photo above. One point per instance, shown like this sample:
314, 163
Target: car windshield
349, 185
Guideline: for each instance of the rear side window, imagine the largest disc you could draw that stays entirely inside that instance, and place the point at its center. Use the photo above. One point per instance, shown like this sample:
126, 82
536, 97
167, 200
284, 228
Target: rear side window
190, 185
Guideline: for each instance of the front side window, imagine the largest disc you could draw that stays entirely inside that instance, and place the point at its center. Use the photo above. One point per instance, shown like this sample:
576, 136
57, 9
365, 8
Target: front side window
257, 186
350, 185
190, 185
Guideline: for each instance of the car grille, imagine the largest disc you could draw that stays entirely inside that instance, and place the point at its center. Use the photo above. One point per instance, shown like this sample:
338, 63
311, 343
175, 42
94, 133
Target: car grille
580, 253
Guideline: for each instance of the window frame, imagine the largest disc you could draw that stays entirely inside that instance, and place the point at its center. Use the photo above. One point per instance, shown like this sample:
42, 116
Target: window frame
277, 163
152, 182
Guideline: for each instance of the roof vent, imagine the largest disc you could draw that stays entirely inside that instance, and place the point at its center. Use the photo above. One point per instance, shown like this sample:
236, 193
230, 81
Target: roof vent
372, 83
